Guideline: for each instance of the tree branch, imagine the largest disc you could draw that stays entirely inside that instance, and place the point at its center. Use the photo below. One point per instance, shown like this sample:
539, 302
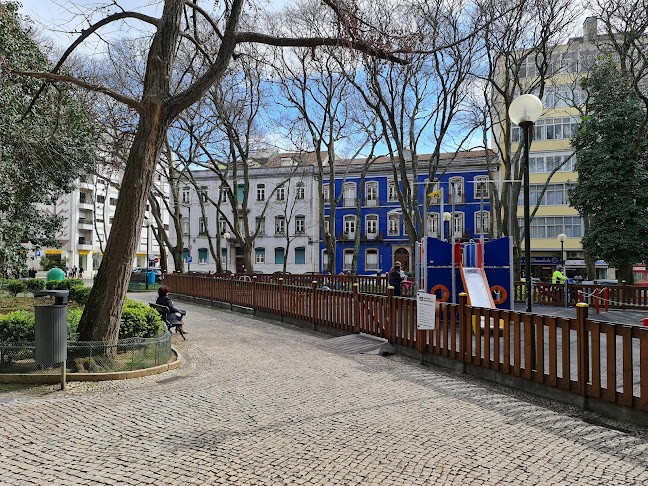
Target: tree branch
91, 87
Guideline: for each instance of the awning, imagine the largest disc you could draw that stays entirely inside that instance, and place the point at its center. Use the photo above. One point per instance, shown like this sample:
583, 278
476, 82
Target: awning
141, 255
53, 252
83, 252
581, 263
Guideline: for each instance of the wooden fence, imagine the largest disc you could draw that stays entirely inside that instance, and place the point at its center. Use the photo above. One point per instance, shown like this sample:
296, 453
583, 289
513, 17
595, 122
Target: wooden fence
605, 361
615, 296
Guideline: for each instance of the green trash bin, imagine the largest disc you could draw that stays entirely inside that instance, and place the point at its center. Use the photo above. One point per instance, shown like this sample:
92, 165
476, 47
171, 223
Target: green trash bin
55, 274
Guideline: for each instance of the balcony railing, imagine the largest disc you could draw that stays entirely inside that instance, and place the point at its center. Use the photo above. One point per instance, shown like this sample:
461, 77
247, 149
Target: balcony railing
373, 202
372, 236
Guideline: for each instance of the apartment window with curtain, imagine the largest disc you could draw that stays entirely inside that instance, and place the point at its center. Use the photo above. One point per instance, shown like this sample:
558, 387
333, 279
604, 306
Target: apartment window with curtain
371, 225
279, 256
202, 226
458, 225
393, 224
371, 194
259, 255
184, 223
349, 226
280, 225
456, 189
371, 260
349, 194
391, 191
482, 220
348, 259
433, 224
481, 187
260, 225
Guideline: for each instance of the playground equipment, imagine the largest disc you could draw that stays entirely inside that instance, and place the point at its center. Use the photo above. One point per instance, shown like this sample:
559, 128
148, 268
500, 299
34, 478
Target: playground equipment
484, 270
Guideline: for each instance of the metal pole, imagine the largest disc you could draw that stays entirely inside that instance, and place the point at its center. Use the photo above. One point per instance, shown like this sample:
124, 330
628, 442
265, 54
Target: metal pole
189, 241
441, 207
63, 375
147, 255
526, 126
452, 232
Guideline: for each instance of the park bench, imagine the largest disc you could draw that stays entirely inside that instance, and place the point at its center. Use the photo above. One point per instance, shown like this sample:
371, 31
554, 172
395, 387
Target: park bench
164, 314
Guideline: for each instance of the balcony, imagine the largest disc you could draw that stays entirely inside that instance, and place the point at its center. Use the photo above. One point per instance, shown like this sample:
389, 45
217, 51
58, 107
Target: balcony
85, 224
372, 202
348, 202
346, 236
371, 236
84, 244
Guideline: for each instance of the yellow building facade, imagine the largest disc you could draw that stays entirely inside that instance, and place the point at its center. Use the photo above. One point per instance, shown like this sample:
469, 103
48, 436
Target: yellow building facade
562, 102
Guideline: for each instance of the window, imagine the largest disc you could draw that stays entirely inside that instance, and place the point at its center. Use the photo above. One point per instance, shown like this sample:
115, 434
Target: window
371, 260
279, 256
202, 255
348, 259
456, 189
349, 194
300, 255
300, 224
482, 219
259, 255
260, 192
281, 193
110, 220
458, 225
185, 255
547, 163
184, 222
280, 225
562, 128
101, 199
555, 195
481, 187
240, 193
326, 193
434, 196
301, 191
432, 224
393, 224
551, 226
327, 227
204, 195
224, 227
371, 225
184, 195
260, 225
391, 191
349, 226
324, 259
371, 194
202, 226
223, 193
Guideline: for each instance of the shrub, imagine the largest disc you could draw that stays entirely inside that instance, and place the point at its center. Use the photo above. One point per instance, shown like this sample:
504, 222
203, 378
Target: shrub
48, 264
66, 284
17, 326
80, 294
35, 284
74, 316
139, 320
15, 287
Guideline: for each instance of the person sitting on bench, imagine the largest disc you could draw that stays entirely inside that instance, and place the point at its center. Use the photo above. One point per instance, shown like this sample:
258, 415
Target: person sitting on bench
174, 314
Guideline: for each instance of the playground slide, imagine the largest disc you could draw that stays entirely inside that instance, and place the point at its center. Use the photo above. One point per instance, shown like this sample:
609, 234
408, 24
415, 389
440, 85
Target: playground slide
476, 286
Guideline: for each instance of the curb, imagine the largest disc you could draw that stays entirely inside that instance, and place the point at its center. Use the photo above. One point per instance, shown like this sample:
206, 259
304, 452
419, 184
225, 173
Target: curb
51, 379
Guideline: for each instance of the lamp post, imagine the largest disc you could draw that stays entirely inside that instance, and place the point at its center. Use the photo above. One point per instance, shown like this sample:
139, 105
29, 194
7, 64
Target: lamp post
524, 112
227, 237
147, 225
562, 237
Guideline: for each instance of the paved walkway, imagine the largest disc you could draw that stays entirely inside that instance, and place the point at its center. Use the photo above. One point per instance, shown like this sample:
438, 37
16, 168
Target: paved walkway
257, 403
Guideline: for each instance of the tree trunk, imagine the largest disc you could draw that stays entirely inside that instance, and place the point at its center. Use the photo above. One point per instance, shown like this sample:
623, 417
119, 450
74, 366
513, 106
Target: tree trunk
102, 313
624, 273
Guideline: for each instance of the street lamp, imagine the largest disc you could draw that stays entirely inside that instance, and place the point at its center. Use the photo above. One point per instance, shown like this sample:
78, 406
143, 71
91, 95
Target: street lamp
562, 237
147, 225
227, 237
524, 112
446, 219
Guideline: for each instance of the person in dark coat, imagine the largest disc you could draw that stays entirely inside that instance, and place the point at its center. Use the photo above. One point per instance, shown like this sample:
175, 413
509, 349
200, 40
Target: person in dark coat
175, 315
395, 279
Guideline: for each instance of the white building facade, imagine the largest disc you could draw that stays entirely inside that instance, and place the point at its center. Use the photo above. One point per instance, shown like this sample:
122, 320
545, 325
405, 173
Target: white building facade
282, 203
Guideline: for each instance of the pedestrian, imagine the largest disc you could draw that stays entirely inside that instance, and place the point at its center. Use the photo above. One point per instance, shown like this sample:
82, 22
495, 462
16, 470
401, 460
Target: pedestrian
395, 279
67, 271
81, 271
558, 276
74, 271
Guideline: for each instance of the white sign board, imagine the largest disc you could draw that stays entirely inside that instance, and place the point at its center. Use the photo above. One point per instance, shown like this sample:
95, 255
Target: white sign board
425, 311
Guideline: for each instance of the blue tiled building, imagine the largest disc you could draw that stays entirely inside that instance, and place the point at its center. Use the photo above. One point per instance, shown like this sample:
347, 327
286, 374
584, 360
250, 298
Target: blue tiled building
383, 240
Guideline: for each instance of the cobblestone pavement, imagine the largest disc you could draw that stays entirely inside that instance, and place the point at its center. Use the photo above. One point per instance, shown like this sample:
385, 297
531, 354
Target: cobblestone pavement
258, 403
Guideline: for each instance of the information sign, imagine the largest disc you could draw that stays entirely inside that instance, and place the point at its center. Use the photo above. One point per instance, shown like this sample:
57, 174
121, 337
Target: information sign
426, 311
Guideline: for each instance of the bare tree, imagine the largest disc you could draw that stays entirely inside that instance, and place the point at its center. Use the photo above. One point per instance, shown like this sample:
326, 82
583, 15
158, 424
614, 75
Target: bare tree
162, 99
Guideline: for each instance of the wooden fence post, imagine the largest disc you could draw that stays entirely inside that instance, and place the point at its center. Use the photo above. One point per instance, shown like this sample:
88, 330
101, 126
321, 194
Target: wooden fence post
582, 345
465, 334
356, 308
281, 298
253, 300
391, 325
314, 306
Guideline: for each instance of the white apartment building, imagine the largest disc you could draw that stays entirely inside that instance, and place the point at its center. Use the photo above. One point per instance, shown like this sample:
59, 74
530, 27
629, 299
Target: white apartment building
282, 201
88, 214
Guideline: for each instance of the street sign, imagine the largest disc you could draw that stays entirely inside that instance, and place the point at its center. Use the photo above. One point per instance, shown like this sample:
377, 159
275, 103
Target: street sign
156, 259
426, 310
189, 259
